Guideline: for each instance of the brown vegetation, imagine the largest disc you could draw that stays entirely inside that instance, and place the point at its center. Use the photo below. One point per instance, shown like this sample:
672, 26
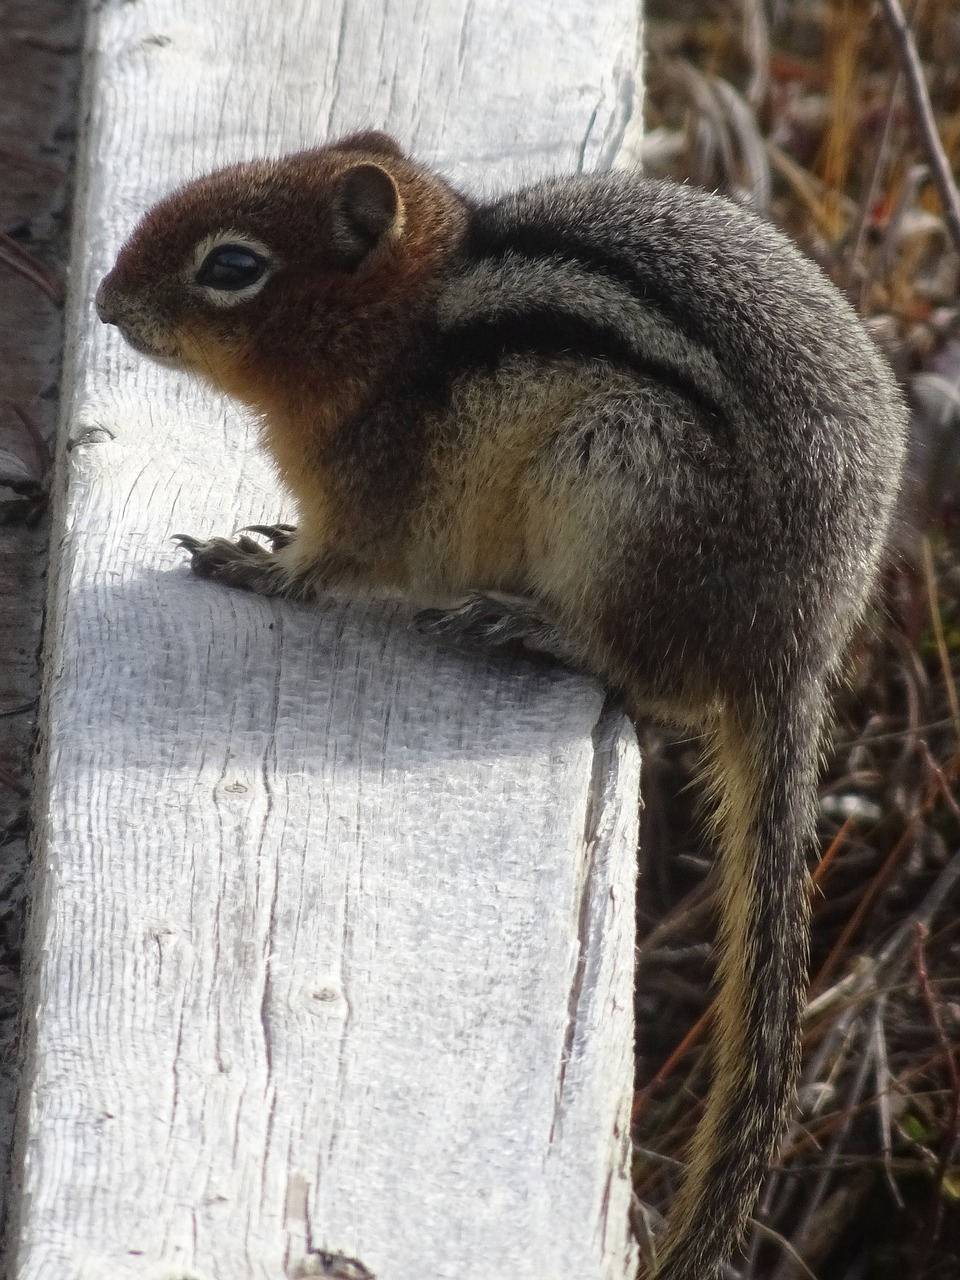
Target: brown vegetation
811, 120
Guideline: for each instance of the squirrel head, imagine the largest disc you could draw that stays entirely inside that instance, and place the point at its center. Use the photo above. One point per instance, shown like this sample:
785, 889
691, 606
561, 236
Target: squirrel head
258, 274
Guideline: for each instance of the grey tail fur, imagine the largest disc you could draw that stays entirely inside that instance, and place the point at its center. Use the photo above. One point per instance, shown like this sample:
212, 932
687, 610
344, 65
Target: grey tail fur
763, 769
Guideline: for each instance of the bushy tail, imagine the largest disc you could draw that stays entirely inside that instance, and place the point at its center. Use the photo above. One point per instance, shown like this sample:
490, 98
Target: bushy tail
764, 776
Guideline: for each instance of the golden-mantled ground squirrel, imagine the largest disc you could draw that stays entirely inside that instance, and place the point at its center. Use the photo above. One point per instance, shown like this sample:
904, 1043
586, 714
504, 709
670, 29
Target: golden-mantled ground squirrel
616, 418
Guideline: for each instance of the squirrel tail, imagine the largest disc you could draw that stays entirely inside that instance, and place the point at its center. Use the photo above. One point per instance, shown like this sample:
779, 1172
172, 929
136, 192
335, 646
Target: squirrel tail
763, 767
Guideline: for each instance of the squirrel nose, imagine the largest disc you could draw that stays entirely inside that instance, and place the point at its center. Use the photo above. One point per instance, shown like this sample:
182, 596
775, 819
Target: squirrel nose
106, 309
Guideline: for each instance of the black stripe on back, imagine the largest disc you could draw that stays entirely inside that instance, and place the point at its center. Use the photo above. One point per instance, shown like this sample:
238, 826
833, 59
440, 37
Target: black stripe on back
489, 240
482, 343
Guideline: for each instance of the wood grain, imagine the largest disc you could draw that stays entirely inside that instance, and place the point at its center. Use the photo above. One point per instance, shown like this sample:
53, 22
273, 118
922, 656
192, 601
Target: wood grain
331, 943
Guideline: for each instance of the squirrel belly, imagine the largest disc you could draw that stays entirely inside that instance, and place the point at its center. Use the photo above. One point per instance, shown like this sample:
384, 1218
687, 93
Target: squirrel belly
621, 416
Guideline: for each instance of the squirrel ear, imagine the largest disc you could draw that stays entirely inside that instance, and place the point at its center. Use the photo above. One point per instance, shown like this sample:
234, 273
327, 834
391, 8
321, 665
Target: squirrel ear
365, 206
372, 140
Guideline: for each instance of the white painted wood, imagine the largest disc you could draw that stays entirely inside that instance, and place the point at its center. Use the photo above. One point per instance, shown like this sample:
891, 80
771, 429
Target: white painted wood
332, 935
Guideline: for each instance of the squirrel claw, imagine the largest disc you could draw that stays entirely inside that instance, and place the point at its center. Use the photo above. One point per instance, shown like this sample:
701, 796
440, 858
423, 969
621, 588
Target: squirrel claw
278, 535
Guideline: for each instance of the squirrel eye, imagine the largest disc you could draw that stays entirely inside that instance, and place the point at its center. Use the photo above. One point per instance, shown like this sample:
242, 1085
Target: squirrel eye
231, 266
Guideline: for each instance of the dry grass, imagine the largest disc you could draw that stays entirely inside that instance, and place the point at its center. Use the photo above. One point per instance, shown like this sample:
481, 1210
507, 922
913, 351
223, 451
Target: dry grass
808, 120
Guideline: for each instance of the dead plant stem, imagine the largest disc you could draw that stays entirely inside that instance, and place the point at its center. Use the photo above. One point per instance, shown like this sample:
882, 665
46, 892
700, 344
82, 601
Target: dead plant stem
923, 112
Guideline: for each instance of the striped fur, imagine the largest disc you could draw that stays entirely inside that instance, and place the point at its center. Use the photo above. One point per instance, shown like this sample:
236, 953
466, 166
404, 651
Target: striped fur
631, 406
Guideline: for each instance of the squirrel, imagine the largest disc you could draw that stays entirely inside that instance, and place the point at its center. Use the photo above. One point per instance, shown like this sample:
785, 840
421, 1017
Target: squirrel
612, 417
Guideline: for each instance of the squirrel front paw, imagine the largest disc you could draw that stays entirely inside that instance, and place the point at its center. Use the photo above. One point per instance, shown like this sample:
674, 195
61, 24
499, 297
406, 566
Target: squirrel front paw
242, 562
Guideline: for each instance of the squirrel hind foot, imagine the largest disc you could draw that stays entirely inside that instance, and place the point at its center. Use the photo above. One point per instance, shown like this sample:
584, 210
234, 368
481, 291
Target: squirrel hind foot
482, 621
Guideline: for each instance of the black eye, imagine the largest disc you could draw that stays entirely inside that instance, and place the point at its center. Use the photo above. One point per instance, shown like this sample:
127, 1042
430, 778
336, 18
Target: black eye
231, 266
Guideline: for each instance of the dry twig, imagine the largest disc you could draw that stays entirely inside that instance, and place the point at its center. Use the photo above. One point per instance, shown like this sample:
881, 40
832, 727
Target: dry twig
923, 112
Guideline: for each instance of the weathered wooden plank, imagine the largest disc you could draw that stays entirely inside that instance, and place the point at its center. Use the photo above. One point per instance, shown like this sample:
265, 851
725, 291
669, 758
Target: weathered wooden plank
332, 933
